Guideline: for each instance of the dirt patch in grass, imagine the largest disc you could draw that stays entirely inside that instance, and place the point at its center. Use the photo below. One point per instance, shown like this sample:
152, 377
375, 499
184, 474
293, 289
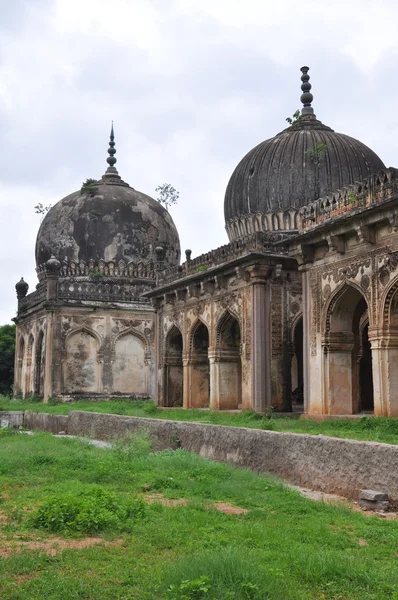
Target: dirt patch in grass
228, 509
51, 546
160, 499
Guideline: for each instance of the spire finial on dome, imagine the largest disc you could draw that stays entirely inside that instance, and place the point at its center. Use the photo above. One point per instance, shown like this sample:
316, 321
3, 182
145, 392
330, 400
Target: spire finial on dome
111, 160
306, 96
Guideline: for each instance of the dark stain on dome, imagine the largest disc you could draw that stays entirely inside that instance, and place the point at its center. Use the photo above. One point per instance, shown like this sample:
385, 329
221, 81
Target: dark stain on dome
118, 223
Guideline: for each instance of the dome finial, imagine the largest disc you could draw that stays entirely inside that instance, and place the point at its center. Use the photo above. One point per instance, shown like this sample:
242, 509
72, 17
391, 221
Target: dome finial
111, 160
306, 96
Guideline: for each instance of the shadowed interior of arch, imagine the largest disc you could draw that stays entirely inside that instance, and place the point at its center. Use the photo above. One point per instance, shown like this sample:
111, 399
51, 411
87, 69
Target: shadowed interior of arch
349, 356
200, 373
228, 363
297, 379
174, 369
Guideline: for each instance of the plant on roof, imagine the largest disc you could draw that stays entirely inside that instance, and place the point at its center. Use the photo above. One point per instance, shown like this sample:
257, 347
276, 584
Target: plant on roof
318, 152
167, 195
295, 119
90, 186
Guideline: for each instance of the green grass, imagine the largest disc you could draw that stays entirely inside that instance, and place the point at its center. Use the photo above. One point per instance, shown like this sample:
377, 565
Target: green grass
377, 429
285, 548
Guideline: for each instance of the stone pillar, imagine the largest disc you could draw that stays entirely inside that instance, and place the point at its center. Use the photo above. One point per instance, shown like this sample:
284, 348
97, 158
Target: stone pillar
260, 350
339, 374
225, 380
49, 349
186, 367
306, 341
385, 372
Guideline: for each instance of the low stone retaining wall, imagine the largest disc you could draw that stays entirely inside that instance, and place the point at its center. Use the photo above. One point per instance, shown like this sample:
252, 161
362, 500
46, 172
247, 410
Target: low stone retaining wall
318, 462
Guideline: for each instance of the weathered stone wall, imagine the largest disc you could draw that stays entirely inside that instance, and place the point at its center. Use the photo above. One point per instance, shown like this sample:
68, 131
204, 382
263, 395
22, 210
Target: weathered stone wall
318, 462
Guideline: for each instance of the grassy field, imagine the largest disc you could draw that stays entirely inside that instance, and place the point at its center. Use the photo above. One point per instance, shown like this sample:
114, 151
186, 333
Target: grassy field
375, 429
284, 547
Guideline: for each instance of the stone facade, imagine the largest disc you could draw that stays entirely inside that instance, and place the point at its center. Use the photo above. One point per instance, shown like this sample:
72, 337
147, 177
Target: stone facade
298, 312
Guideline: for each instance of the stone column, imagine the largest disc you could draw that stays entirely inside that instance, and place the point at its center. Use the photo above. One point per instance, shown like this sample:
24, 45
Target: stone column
225, 380
384, 345
49, 349
260, 349
306, 341
186, 367
339, 374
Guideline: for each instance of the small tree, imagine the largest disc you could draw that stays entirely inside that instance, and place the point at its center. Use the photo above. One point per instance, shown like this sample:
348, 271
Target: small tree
40, 209
7, 354
167, 195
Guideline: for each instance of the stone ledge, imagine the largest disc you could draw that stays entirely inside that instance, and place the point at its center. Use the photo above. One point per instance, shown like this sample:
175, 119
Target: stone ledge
331, 465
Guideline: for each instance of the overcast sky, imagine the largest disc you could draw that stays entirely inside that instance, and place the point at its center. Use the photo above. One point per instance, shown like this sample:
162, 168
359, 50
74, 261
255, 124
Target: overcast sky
192, 86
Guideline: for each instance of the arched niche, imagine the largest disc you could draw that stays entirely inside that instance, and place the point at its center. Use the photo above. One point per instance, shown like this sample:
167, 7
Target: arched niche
199, 391
174, 368
226, 367
345, 341
81, 368
129, 367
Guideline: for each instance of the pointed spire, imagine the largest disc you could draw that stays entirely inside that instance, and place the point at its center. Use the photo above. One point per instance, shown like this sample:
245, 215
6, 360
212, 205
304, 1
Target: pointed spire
111, 160
111, 175
306, 96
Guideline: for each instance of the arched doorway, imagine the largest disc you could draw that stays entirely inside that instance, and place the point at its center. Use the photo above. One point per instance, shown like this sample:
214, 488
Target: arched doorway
348, 357
200, 367
173, 383
226, 366
39, 375
297, 379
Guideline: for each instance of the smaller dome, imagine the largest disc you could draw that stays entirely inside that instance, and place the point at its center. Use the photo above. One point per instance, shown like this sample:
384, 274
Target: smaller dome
107, 220
53, 264
21, 288
302, 163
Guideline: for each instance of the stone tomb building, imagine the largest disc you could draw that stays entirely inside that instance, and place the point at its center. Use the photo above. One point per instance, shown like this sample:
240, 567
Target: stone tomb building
299, 311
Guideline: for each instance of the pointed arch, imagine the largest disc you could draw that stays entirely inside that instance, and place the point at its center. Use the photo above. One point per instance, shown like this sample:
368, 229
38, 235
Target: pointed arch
137, 334
335, 299
198, 323
228, 318
389, 303
84, 329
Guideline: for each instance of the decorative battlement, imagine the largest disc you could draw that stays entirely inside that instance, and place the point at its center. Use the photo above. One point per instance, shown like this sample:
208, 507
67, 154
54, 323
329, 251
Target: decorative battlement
276, 222
101, 268
258, 242
373, 190
105, 291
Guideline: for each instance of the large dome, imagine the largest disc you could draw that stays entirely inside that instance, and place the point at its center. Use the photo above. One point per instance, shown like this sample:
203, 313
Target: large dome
112, 222
299, 165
